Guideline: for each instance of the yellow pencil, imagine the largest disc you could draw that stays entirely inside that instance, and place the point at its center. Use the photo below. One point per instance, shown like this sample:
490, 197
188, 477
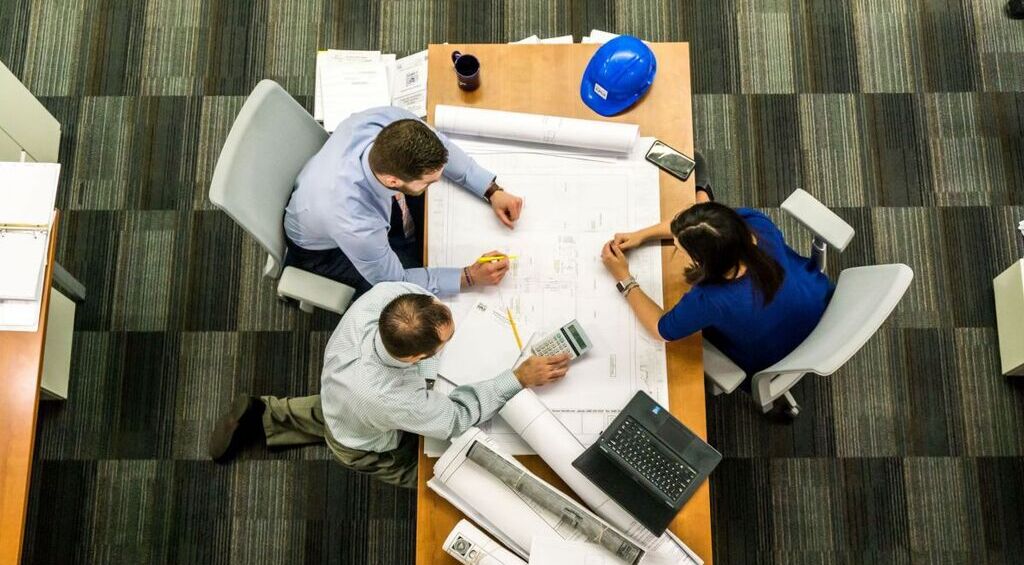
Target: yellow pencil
493, 258
515, 331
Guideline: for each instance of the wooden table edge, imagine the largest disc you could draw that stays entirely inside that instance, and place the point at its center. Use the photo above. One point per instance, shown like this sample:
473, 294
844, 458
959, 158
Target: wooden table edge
12, 535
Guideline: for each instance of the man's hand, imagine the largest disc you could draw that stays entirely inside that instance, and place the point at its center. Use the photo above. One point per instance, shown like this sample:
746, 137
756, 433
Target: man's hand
489, 273
506, 207
538, 371
615, 261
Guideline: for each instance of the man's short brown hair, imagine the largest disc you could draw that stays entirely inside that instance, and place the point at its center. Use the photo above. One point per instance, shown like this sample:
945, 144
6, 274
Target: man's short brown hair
407, 149
411, 325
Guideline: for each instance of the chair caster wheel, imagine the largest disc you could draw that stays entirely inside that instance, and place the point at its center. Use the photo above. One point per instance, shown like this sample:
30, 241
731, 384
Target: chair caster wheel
793, 411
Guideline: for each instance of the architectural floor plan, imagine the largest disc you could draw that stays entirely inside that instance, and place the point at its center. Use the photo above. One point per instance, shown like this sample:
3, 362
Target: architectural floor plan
572, 206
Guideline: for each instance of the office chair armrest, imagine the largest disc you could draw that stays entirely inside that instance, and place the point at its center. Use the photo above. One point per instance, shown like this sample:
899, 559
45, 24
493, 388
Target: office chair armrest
816, 217
720, 370
313, 290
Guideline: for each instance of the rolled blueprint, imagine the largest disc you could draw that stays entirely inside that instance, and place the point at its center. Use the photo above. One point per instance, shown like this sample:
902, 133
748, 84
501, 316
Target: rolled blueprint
536, 128
504, 513
469, 546
572, 514
558, 447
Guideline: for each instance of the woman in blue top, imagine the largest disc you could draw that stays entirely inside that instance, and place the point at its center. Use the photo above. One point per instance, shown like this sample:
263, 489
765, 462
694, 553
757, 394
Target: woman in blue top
755, 298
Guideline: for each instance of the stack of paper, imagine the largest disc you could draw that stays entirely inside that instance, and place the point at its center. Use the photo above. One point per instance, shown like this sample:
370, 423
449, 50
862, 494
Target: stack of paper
598, 36
352, 81
27, 195
534, 40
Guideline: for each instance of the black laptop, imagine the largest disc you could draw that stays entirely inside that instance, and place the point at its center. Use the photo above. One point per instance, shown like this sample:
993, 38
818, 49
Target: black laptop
648, 462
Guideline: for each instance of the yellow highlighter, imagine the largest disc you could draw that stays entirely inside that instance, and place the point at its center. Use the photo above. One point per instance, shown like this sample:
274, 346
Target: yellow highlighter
515, 331
494, 258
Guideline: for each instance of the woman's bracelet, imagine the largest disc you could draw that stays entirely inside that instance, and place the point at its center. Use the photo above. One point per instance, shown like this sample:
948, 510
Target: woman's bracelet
630, 288
469, 279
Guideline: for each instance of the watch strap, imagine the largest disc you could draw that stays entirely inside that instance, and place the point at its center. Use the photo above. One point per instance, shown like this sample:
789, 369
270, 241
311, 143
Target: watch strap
622, 285
491, 190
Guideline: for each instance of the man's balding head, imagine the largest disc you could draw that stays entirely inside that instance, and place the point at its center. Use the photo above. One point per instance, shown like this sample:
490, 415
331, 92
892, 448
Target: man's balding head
414, 325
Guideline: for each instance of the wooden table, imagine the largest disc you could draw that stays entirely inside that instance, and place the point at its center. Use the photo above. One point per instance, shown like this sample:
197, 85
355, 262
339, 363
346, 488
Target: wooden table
545, 79
21, 367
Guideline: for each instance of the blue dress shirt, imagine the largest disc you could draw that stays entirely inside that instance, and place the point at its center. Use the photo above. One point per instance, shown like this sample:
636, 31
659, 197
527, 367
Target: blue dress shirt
339, 203
735, 319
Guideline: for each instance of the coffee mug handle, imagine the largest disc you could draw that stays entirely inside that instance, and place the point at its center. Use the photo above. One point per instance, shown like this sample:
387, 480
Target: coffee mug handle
455, 56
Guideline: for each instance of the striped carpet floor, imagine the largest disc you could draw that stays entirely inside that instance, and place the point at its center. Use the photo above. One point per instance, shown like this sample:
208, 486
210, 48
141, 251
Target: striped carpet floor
905, 116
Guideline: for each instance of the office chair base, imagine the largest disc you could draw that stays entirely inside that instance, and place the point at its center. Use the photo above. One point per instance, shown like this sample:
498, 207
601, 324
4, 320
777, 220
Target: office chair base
788, 406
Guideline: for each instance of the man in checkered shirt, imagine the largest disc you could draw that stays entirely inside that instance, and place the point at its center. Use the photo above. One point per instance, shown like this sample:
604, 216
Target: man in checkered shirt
375, 399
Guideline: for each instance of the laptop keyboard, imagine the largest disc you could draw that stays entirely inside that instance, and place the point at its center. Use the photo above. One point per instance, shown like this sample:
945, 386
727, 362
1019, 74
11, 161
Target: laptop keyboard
641, 451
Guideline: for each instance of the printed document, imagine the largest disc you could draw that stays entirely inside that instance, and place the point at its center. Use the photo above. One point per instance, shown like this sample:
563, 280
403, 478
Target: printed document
352, 81
352, 88
409, 85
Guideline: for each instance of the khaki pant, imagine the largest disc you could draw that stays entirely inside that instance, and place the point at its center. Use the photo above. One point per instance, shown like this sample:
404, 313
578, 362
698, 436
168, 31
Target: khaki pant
300, 421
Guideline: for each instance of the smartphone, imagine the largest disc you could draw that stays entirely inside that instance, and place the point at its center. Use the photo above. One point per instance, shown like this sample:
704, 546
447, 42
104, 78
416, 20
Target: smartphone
670, 160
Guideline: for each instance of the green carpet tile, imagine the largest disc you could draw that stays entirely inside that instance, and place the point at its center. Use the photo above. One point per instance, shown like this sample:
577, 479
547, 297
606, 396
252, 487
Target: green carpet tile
905, 116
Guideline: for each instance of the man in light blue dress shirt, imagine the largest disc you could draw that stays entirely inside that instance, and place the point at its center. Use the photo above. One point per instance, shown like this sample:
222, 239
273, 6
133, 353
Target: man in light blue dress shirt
352, 215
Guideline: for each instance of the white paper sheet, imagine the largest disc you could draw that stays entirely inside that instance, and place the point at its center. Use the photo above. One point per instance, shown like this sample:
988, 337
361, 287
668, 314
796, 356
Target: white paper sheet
470, 546
532, 40
571, 208
482, 347
517, 520
551, 551
22, 259
28, 192
352, 87
19, 315
560, 40
536, 128
409, 85
336, 57
598, 36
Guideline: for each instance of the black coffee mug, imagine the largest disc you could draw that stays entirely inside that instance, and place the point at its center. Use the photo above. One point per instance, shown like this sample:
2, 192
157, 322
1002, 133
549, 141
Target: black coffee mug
467, 69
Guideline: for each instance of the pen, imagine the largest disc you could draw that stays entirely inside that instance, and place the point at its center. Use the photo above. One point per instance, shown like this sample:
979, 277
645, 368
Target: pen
493, 258
515, 331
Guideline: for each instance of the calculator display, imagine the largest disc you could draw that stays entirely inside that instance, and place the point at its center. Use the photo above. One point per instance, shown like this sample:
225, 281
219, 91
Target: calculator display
575, 334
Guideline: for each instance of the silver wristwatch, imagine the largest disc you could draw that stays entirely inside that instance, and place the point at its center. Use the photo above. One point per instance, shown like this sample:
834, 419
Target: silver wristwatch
624, 285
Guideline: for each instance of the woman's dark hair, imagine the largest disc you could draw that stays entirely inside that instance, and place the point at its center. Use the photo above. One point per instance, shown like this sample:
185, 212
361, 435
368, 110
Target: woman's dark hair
718, 241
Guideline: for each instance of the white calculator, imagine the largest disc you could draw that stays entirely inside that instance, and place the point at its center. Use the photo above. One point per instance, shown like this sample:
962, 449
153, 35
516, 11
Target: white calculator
567, 339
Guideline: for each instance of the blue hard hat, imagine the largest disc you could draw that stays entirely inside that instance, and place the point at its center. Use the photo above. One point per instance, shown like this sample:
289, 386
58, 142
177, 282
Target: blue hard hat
618, 74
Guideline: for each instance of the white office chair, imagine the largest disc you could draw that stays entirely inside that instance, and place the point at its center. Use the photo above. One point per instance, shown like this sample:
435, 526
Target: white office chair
270, 141
863, 299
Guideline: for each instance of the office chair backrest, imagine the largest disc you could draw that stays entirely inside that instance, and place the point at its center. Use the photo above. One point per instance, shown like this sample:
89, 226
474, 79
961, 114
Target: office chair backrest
863, 299
270, 141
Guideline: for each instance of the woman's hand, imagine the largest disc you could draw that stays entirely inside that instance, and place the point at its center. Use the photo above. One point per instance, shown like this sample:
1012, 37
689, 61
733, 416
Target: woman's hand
629, 240
615, 261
